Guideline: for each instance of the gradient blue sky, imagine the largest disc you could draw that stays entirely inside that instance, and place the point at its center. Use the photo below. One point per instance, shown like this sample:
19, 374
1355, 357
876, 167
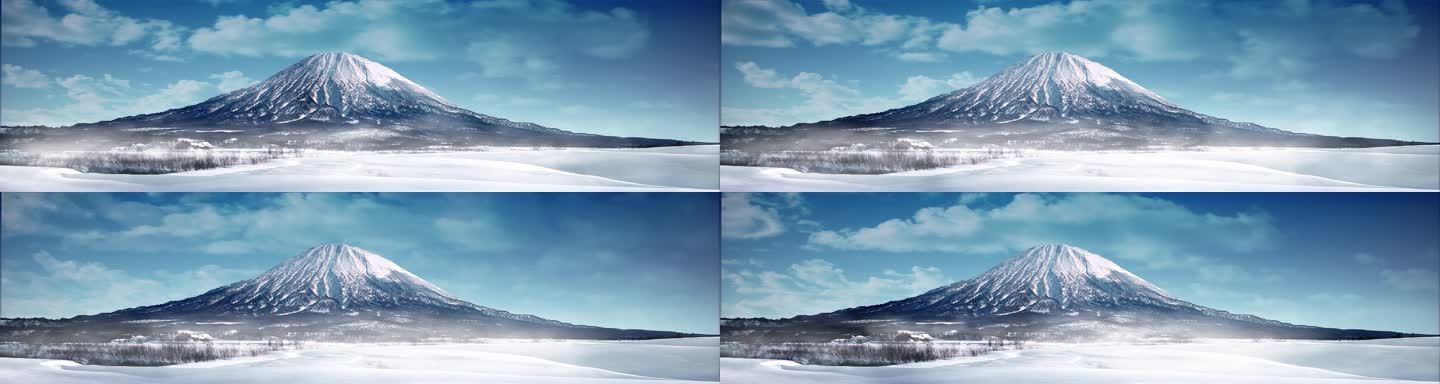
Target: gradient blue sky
634, 68
1350, 68
1343, 260
628, 260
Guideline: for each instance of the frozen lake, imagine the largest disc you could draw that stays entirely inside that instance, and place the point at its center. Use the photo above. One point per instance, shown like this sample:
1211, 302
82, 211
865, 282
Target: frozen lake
1212, 169
652, 362
689, 168
1202, 362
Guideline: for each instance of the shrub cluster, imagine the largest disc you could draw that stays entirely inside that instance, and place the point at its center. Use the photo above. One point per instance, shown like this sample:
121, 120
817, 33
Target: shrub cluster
146, 355
140, 163
869, 162
852, 354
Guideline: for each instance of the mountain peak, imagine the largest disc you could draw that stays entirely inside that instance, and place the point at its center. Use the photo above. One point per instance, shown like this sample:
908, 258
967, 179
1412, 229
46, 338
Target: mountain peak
1060, 54
349, 75
1065, 264
337, 54
1063, 71
341, 290
343, 261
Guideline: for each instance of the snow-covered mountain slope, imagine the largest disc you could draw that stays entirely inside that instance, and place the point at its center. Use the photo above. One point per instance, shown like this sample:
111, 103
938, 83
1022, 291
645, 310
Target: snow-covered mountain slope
330, 279
1055, 278
1045, 278
329, 292
1050, 100
328, 100
328, 88
1054, 292
1051, 87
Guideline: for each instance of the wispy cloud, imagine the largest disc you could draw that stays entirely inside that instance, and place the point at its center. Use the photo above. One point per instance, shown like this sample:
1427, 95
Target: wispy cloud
816, 285
1257, 39
1152, 231
825, 98
20, 77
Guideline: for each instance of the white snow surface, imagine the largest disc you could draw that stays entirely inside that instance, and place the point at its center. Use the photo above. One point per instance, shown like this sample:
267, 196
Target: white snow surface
652, 362
1407, 168
687, 168
1205, 362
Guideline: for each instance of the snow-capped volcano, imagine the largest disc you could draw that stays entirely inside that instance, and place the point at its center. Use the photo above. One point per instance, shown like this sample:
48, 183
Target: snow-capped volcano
331, 278
1046, 278
1054, 278
329, 88
1049, 100
1055, 291
335, 85
327, 292
1041, 279
1050, 86
334, 100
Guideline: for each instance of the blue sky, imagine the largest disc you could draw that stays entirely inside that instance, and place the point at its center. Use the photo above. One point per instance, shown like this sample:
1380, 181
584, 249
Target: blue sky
1343, 260
630, 260
1353, 68
635, 68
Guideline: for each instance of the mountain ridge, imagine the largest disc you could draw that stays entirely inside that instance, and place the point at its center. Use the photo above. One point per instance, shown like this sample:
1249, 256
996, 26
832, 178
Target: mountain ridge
1052, 100
331, 100
1054, 291
330, 291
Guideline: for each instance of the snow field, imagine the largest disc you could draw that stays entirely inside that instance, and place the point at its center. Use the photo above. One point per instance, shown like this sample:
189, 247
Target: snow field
689, 168
1206, 362
1214, 169
651, 362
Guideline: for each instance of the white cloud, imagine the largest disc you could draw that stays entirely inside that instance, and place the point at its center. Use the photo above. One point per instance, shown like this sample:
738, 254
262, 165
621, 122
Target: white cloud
231, 80
838, 5
67, 287
816, 285
472, 233
177, 94
824, 98
229, 247
921, 57
962, 80
780, 23
522, 39
19, 77
23, 211
1266, 39
1151, 231
105, 97
920, 87
500, 58
23, 23
742, 216
281, 224
1411, 279
827, 98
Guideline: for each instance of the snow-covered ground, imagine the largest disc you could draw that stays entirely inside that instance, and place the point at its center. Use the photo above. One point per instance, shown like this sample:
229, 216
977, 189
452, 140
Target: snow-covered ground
1211, 169
1204, 362
651, 362
654, 169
